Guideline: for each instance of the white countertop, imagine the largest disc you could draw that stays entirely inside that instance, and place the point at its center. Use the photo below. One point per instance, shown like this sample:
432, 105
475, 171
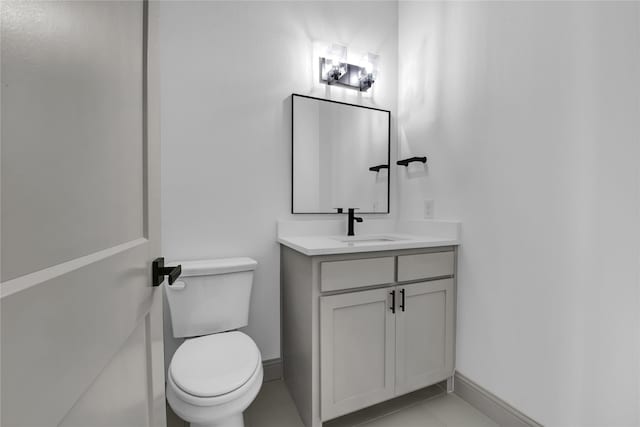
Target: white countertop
326, 237
326, 245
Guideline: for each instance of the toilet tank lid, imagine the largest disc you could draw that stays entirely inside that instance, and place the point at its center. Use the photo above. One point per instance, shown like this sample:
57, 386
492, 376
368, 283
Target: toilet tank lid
207, 267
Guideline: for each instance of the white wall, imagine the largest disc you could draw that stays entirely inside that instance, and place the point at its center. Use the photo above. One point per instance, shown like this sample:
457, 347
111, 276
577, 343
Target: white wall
530, 116
228, 70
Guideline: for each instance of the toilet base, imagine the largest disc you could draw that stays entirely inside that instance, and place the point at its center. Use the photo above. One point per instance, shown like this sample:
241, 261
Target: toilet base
233, 421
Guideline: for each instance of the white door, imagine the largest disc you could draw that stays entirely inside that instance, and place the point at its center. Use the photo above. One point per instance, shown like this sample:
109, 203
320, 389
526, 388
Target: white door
424, 334
357, 346
81, 324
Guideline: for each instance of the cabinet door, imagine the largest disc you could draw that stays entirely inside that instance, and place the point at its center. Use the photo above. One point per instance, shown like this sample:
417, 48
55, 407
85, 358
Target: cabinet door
424, 334
357, 351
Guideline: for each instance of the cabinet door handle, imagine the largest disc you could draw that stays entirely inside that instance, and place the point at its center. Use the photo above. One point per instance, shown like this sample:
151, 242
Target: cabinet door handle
393, 301
402, 303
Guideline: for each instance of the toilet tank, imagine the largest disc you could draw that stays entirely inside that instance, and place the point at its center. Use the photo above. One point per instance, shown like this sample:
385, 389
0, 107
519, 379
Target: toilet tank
210, 296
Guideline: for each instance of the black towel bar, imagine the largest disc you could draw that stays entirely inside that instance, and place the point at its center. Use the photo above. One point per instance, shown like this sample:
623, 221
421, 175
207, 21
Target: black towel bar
406, 162
377, 168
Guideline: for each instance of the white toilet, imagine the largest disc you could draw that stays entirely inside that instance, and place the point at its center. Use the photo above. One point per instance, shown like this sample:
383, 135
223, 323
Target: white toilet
217, 372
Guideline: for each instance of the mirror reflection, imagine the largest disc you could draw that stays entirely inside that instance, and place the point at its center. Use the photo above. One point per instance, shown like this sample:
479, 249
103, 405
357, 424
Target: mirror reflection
340, 156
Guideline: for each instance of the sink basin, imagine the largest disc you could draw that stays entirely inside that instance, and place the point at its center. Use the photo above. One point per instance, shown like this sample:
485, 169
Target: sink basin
368, 239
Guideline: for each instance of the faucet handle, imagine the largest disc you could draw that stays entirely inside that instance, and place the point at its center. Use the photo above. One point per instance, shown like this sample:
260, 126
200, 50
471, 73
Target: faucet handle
352, 215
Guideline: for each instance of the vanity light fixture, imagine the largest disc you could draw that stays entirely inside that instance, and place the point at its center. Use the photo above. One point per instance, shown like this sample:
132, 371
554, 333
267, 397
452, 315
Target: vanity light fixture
335, 70
333, 65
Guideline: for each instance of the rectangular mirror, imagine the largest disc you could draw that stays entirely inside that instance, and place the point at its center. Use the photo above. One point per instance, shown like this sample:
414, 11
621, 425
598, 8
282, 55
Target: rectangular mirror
341, 156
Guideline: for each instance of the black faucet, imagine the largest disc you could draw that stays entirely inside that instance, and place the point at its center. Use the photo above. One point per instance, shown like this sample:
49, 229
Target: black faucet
352, 218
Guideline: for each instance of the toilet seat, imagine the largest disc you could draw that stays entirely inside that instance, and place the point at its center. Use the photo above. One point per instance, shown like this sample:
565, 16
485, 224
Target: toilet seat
213, 366
211, 410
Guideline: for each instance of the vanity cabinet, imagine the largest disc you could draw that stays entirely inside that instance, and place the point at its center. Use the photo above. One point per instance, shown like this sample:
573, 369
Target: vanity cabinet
362, 328
382, 343
357, 351
424, 335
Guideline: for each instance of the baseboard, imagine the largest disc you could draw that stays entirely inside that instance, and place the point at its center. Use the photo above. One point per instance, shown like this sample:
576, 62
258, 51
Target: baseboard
272, 369
491, 405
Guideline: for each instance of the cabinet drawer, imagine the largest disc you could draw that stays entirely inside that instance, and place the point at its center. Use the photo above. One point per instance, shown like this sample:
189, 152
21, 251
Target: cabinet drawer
424, 266
336, 275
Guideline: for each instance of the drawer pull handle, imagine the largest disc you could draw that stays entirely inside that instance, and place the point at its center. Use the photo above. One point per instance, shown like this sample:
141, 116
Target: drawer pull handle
402, 303
393, 301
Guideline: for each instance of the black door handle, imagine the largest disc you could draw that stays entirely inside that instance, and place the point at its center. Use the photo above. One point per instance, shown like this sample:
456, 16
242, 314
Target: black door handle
158, 271
402, 303
393, 301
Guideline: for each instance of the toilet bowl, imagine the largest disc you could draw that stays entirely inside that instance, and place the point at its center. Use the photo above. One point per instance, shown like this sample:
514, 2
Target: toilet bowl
216, 372
213, 379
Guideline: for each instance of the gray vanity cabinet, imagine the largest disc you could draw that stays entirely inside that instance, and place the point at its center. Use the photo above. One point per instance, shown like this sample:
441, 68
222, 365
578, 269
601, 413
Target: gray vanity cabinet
362, 328
372, 350
424, 335
357, 351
